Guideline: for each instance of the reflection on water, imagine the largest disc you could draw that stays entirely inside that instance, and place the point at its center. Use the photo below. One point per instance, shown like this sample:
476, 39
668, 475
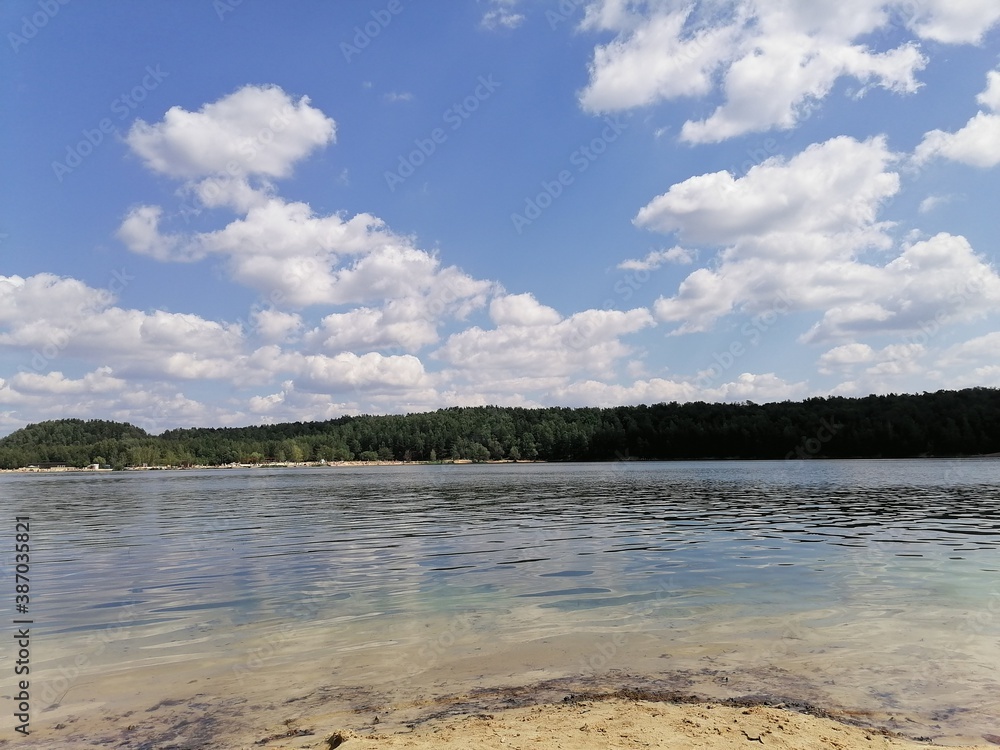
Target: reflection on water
858, 570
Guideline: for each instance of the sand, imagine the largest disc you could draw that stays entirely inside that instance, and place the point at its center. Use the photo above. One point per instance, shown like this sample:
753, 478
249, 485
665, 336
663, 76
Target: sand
615, 723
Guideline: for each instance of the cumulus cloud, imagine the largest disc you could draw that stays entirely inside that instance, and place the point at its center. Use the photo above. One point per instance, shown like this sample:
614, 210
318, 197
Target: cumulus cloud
938, 281
829, 187
256, 130
978, 142
402, 324
845, 356
390, 300
275, 326
55, 383
53, 317
25, 300
873, 366
521, 310
390, 296
524, 344
348, 371
952, 21
772, 59
654, 60
747, 386
291, 255
100, 394
796, 231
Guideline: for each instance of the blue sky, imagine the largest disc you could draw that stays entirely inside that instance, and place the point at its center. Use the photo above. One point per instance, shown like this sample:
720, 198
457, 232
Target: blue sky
245, 212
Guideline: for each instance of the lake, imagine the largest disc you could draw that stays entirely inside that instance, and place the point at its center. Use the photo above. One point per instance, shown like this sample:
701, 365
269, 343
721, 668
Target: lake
214, 606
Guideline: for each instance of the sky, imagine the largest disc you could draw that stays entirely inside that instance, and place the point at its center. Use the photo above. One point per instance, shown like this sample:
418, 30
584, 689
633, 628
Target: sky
238, 212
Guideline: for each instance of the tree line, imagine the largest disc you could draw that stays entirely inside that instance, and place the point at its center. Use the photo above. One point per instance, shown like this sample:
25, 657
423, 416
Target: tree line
945, 423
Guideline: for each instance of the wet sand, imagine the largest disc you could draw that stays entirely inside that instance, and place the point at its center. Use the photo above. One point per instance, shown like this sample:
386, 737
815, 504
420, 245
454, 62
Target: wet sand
628, 723
564, 713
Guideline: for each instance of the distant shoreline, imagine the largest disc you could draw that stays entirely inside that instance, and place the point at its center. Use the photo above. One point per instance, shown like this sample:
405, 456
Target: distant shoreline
271, 465
457, 461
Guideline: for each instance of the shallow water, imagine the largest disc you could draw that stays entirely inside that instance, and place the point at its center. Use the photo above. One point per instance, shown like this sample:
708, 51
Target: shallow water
867, 586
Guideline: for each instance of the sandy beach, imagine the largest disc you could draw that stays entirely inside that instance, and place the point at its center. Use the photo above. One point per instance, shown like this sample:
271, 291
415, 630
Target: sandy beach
621, 723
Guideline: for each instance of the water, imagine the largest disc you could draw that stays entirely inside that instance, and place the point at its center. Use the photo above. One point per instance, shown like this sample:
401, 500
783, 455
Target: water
869, 587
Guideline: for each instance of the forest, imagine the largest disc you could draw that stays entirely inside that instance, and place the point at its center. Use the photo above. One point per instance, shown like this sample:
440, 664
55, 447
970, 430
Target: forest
945, 423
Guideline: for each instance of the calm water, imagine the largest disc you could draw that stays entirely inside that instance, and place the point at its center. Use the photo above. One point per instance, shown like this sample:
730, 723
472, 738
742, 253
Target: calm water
866, 585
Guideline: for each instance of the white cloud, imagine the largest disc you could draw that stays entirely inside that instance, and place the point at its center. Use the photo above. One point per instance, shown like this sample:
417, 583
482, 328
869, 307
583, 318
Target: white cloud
990, 96
939, 281
746, 387
655, 61
758, 387
289, 405
294, 257
952, 21
585, 342
790, 229
283, 249
772, 59
931, 202
257, 130
139, 231
845, 356
900, 367
275, 326
830, 187
24, 301
55, 317
657, 258
877, 369
405, 324
55, 383
597, 393
978, 351
348, 372
521, 310
794, 232
101, 395
977, 143
502, 15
